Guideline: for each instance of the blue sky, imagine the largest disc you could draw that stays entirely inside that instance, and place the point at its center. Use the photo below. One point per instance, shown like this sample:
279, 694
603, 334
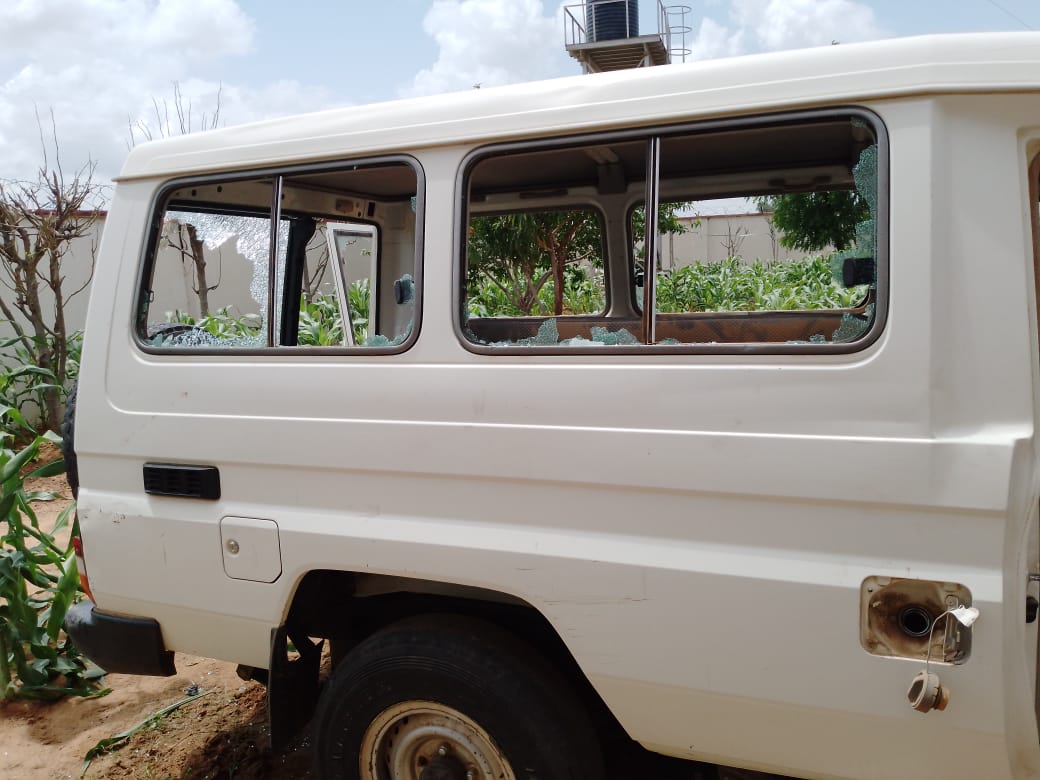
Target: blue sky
99, 64
392, 33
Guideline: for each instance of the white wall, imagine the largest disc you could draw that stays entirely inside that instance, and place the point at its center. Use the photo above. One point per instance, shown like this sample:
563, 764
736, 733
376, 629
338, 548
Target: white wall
716, 237
708, 241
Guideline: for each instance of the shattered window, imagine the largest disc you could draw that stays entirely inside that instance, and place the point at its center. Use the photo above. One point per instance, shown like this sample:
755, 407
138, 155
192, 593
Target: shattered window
536, 270
765, 235
343, 260
209, 284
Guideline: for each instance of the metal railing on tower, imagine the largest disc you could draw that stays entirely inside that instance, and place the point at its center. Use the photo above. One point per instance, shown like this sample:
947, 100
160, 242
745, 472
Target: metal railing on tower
604, 35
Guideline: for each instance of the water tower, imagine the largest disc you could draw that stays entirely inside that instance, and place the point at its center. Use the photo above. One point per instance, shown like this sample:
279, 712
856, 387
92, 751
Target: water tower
604, 35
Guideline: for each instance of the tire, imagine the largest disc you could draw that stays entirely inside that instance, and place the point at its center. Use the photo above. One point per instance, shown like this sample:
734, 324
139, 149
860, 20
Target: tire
444, 697
68, 442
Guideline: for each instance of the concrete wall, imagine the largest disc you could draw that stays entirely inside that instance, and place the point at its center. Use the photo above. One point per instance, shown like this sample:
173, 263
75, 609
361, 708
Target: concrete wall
714, 238
750, 236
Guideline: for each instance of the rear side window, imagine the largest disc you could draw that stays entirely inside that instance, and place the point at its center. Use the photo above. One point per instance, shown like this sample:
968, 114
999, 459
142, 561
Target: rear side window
320, 258
798, 264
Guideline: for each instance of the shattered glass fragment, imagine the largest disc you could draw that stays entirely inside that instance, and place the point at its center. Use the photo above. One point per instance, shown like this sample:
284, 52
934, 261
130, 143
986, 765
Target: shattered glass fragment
580, 341
404, 288
865, 175
853, 326
252, 240
380, 340
196, 338
473, 337
547, 334
613, 338
406, 284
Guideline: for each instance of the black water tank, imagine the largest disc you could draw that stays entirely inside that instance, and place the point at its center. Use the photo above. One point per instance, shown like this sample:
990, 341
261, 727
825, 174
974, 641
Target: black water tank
609, 20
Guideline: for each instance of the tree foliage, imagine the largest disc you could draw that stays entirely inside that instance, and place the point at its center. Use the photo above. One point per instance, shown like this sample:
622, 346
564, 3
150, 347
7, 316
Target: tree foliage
812, 221
668, 220
520, 253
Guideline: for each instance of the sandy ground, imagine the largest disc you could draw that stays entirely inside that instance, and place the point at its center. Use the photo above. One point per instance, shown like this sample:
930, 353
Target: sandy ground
222, 734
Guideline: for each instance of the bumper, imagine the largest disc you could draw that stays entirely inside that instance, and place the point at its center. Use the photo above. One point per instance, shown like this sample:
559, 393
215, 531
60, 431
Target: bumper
119, 644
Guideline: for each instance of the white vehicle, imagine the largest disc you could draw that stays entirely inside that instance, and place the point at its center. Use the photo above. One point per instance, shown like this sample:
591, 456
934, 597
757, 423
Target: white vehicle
393, 376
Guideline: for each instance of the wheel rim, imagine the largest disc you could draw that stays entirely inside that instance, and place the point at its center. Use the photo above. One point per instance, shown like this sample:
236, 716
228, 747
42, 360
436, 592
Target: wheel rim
424, 740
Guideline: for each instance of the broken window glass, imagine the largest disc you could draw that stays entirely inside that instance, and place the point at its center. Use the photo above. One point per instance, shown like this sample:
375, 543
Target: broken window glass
343, 266
209, 281
751, 220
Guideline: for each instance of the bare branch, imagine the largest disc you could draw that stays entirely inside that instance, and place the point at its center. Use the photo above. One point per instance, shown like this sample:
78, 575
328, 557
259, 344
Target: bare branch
183, 113
216, 110
43, 144
39, 220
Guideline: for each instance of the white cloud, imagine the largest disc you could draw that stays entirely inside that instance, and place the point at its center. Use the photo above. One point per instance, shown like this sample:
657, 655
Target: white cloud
714, 40
490, 42
175, 34
98, 63
789, 24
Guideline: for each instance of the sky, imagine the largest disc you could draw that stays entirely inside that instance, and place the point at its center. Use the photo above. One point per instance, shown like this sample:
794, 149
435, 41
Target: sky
97, 72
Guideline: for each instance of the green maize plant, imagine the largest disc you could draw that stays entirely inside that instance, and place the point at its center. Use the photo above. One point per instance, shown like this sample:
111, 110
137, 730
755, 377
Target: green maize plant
38, 585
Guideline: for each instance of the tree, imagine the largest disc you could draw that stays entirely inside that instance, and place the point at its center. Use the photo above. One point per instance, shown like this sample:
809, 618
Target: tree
519, 253
812, 221
39, 221
181, 237
734, 239
183, 113
668, 221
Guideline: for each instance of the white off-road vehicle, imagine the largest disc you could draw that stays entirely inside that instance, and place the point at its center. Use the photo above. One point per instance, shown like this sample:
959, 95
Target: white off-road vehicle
400, 377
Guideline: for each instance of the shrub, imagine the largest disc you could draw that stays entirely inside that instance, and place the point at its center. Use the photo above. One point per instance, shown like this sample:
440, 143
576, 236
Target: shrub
583, 293
733, 285
38, 585
320, 322
25, 386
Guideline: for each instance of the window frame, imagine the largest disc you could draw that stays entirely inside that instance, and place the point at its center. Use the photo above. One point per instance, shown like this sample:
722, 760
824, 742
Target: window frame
342, 289
159, 204
660, 132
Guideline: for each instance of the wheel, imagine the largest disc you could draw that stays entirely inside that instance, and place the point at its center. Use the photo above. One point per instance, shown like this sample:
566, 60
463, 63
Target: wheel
68, 448
451, 698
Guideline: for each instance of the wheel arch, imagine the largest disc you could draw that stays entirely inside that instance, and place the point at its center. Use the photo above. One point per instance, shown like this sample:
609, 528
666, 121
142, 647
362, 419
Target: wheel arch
346, 607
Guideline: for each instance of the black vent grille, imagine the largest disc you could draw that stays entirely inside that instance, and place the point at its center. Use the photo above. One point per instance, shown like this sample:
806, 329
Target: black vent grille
174, 479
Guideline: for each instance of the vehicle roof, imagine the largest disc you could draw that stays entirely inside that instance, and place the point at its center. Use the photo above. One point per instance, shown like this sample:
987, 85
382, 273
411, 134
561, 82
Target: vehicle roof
698, 90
